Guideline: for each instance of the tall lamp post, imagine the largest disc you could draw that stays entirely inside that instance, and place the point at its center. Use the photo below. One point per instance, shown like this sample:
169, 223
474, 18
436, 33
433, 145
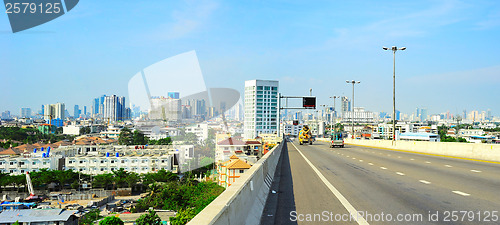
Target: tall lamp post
331, 116
394, 50
353, 82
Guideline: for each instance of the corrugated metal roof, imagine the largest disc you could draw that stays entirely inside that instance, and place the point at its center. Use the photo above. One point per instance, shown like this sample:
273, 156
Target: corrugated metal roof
35, 215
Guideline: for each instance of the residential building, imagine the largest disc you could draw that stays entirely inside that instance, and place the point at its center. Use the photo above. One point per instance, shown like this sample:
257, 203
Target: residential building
360, 116
261, 107
114, 108
229, 171
173, 95
166, 109
6, 115
224, 149
72, 129
25, 113
76, 112
54, 111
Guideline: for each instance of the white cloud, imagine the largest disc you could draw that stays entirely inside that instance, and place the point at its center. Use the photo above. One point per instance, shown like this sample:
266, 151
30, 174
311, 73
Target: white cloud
186, 21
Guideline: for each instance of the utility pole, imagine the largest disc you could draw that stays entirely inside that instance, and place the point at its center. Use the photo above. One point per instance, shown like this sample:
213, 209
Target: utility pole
394, 49
353, 82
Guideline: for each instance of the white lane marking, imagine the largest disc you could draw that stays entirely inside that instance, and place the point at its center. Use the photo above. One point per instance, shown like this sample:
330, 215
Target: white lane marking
427, 162
461, 193
448, 166
360, 220
361, 160
353, 158
388, 154
399, 157
476, 171
412, 159
400, 174
424, 181
383, 168
371, 164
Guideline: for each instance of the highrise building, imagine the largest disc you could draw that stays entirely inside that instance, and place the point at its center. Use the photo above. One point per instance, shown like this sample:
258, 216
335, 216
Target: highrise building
261, 107
423, 114
77, 111
97, 107
174, 95
26, 112
167, 109
6, 115
114, 108
345, 105
54, 111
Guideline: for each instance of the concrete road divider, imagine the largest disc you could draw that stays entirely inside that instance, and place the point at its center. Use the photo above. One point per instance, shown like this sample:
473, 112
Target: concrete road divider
243, 202
475, 151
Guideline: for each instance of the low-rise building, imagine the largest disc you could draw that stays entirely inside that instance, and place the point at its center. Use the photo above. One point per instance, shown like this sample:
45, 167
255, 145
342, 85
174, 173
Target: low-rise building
229, 171
39, 217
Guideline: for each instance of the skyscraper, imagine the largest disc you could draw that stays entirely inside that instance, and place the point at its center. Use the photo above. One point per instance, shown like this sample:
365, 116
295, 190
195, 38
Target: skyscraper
26, 112
168, 109
97, 107
345, 105
54, 111
174, 95
76, 111
114, 108
261, 107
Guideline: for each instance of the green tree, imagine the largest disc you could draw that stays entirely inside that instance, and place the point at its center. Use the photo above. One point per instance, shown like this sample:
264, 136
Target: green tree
138, 138
85, 130
119, 177
90, 217
132, 179
103, 180
16, 223
150, 218
125, 137
111, 220
183, 217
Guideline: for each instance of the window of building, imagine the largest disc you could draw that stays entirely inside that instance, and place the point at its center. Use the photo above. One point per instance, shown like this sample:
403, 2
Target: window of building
242, 171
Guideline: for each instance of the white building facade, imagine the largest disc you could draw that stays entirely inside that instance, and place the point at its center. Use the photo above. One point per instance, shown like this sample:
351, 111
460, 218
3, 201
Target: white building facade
261, 108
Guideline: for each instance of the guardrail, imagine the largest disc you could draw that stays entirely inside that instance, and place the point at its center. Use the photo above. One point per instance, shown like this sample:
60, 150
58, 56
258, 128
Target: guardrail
477, 151
243, 202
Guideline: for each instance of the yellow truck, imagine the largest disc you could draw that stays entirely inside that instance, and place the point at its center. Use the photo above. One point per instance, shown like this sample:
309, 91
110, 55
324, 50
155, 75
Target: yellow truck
305, 136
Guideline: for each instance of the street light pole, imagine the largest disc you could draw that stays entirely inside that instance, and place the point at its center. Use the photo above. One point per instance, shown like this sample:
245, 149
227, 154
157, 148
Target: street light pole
331, 116
394, 49
353, 82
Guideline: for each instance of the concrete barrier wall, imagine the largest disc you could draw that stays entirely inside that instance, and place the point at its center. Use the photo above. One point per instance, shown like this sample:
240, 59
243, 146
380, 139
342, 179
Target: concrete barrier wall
243, 202
480, 151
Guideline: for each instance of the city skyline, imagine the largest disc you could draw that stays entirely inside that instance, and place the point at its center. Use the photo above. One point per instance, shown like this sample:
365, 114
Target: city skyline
450, 62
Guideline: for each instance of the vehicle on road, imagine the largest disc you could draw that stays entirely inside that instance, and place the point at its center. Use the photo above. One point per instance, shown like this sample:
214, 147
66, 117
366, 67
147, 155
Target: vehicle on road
305, 136
337, 140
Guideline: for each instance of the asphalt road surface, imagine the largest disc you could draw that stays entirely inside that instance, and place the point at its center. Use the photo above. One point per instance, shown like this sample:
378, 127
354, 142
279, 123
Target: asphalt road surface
361, 185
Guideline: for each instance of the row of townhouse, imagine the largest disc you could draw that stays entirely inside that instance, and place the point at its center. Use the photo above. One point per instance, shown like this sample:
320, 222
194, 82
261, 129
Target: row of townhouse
106, 164
92, 159
20, 165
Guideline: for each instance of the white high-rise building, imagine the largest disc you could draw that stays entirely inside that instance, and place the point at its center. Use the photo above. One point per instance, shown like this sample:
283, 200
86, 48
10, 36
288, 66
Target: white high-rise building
261, 107
114, 108
165, 109
54, 111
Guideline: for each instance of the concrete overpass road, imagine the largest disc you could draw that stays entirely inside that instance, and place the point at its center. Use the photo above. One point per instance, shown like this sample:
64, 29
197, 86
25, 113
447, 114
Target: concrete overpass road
362, 185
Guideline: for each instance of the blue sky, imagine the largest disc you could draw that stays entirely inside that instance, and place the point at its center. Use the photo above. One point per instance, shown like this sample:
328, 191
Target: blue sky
452, 61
